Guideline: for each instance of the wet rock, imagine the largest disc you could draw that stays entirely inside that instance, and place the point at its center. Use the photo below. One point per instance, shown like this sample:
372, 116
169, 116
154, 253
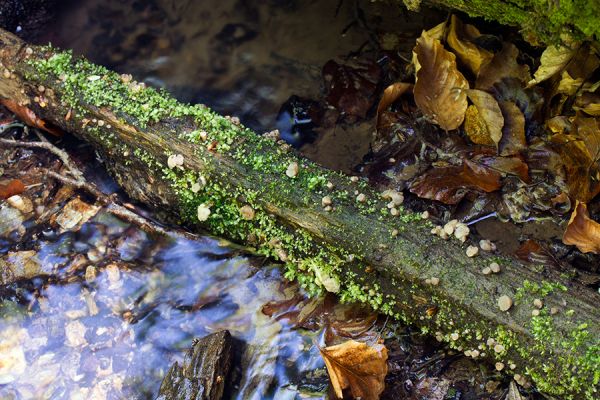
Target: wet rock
11, 220
75, 214
19, 265
204, 371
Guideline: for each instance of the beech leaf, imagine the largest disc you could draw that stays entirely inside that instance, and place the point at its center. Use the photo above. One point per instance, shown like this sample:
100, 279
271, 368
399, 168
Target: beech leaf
490, 114
513, 133
459, 39
29, 118
503, 65
357, 366
582, 231
554, 59
439, 88
12, 188
390, 95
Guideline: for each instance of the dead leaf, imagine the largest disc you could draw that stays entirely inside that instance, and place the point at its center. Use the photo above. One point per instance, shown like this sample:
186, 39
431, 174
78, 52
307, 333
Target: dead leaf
490, 114
503, 65
513, 132
580, 153
568, 85
533, 252
357, 366
450, 184
505, 165
582, 231
589, 103
460, 38
12, 188
554, 59
439, 88
29, 118
390, 95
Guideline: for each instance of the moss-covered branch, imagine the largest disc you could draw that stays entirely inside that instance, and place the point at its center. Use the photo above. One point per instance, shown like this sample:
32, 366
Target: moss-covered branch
331, 231
540, 20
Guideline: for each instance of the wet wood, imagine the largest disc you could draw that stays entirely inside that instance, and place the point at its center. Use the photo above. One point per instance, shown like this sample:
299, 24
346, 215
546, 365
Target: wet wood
393, 263
204, 372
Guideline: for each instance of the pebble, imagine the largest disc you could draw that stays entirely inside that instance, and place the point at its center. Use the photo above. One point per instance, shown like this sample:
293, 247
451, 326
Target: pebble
21, 203
90, 273
292, 170
472, 251
505, 303
486, 245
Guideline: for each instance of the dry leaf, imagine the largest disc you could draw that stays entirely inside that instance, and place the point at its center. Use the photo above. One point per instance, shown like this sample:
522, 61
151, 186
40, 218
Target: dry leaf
390, 95
29, 118
589, 103
533, 252
12, 188
554, 59
568, 85
506, 165
582, 231
513, 132
580, 153
459, 39
439, 88
490, 114
450, 184
503, 65
357, 366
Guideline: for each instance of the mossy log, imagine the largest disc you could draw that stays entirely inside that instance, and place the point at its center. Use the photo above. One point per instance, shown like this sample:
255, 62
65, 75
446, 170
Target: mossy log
211, 173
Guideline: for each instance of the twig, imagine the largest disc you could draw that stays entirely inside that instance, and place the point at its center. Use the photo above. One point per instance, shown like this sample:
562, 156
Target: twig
61, 154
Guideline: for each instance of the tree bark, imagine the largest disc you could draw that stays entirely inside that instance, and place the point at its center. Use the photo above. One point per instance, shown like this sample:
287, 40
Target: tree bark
211, 173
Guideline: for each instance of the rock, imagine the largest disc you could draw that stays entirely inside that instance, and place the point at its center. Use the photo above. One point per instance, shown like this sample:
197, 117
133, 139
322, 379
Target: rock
11, 220
19, 265
204, 372
76, 213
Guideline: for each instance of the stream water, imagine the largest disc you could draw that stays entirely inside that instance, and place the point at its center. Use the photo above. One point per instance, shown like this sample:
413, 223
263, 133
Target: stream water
121, 307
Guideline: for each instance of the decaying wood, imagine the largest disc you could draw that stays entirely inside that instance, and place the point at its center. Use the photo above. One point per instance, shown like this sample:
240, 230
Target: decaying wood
204, 371
179, 159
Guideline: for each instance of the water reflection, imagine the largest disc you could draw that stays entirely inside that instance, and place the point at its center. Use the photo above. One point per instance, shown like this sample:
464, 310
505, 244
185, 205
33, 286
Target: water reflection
111, 328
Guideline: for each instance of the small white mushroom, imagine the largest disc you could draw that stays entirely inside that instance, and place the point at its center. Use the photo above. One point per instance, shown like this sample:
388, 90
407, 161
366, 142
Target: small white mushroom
354, 178
326, 201
175, 160
425, 215
486, 271
203, 212
454, 336
292, 169
499, 348
504, 303
535, 312
472, 251
538, 303
396, 198
361, 198
461, 231
247, 212
450, 225
486, 245
330, 185
554, 310
499, 366
495, 267
435, 281
394, 211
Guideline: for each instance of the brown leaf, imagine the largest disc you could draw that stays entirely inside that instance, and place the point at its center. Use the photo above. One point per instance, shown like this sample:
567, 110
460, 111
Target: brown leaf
490, 114
533, 252
580, 153
503, 65
505, 165
390, 95
439, 85
513, 132
450, 184
357, 366
29, 118
554, 59
582, 231
589, 103
12, 188
459, 39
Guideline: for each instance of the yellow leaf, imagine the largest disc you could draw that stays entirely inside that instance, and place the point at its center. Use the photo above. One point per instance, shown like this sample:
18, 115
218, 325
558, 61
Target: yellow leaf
553, 60
582, 231
475, 127
491, 115
357, 366
568, 85
459, 39
439, 88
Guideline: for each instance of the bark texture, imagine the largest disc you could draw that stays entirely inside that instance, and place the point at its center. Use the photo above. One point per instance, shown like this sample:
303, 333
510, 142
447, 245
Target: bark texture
211, 173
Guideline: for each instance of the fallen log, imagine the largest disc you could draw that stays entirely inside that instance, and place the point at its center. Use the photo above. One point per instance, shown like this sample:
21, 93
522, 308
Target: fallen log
203, 373
332, 232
